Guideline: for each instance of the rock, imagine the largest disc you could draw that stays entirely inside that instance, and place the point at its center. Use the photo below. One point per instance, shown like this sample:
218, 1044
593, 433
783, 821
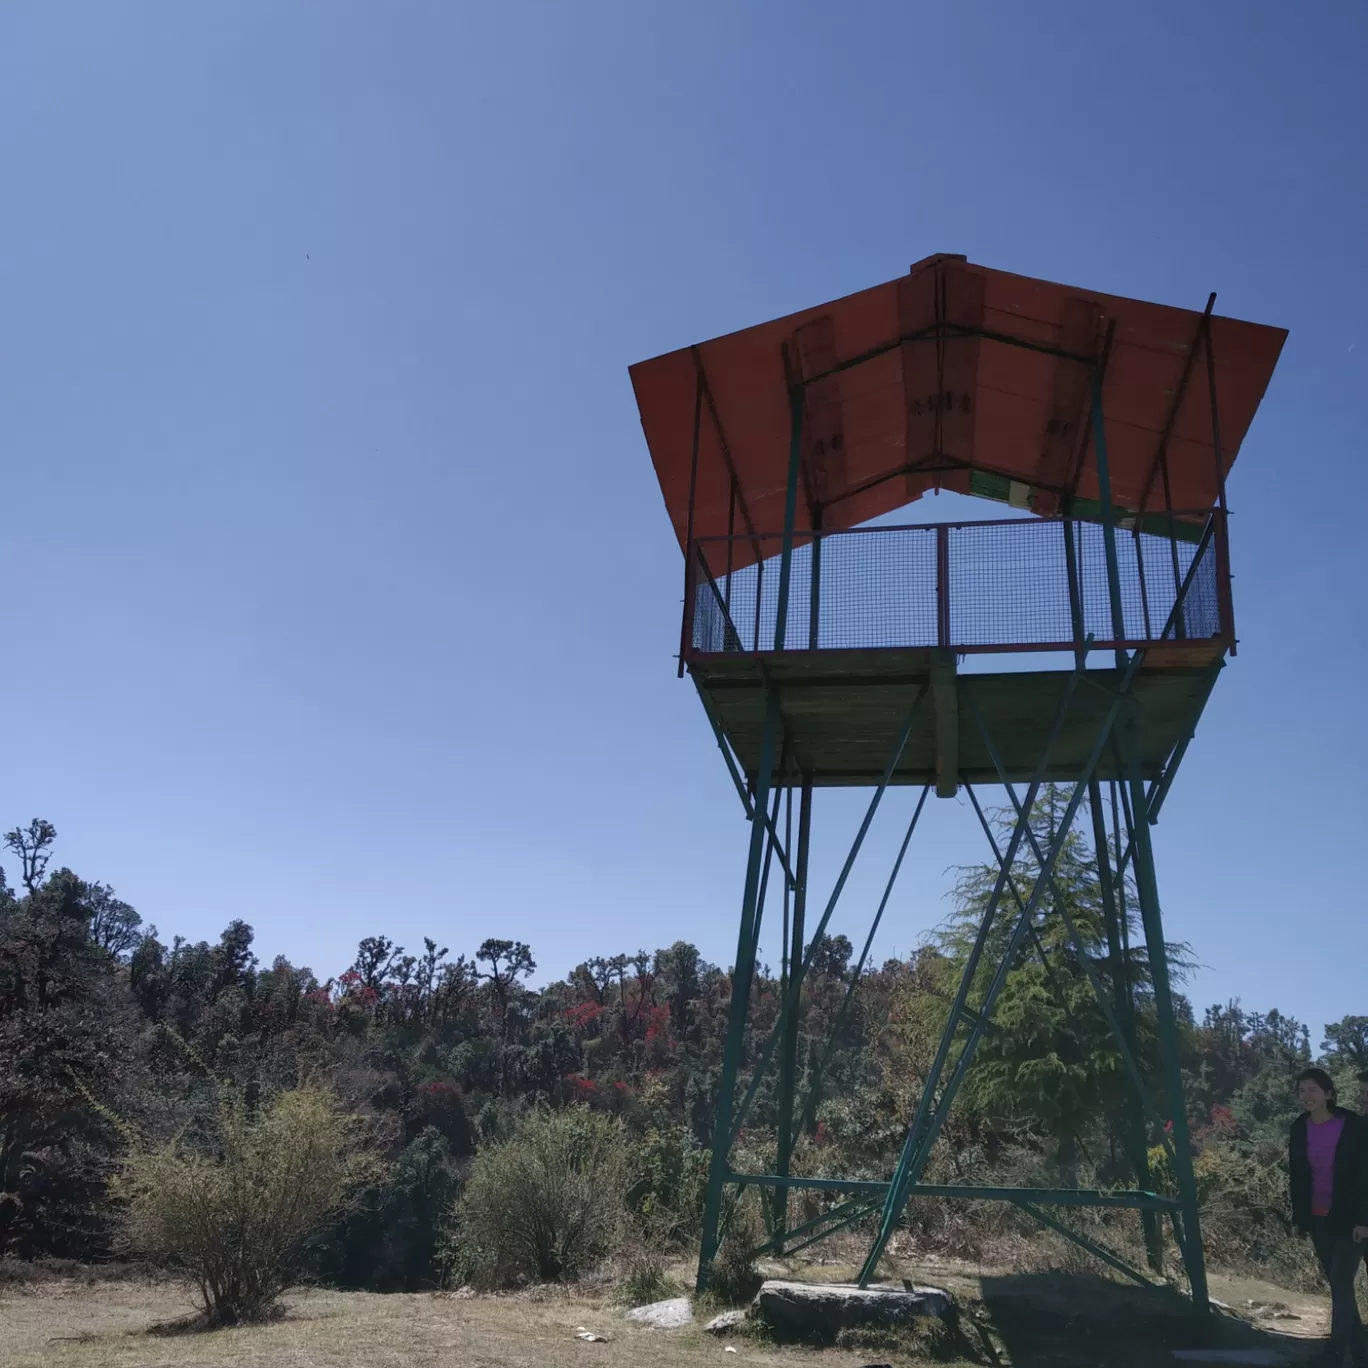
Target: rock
771, 1270
725, 1323
828, 1307
663, 1315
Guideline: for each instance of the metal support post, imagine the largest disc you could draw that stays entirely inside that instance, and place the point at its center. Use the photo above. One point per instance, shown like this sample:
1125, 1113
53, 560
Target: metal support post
788, 1049
772, 840
742, 976
689, 531
1134, 1124
1147, 890
744, 971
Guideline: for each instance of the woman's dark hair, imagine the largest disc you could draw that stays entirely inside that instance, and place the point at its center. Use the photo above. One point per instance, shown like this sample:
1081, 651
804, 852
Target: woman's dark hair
1320, 1078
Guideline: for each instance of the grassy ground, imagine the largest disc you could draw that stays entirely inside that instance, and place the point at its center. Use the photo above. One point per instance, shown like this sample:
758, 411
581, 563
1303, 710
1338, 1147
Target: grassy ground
1065, 1321
107, 1326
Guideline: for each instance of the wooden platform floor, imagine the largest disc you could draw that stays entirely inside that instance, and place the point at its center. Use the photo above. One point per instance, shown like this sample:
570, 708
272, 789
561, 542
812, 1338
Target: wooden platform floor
844, 710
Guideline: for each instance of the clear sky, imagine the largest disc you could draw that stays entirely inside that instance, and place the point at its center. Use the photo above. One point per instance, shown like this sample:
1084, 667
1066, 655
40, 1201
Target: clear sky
338, 590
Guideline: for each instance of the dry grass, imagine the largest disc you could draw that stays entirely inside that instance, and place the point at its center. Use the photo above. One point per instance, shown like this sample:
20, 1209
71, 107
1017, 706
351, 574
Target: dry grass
1024, 1318
70, 1326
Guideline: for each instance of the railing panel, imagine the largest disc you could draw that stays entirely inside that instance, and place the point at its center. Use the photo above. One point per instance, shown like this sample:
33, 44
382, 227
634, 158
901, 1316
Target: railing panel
969, 586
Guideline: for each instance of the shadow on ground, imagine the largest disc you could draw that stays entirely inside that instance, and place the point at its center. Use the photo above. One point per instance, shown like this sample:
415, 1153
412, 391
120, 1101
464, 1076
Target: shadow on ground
1031, 1320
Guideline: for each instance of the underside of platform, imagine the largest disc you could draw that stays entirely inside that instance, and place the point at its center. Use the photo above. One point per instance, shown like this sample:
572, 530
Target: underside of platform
843, 712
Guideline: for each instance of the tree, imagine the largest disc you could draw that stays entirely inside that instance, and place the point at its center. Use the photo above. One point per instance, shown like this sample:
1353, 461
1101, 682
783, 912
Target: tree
508, 962
375, 957
632, 1005
679, 970
114, 925
1051, 1066
33, 846
1346, 1043
64, 1048
830, 956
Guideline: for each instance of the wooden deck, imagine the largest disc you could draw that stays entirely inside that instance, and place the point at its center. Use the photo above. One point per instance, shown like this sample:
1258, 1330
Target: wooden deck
844, 710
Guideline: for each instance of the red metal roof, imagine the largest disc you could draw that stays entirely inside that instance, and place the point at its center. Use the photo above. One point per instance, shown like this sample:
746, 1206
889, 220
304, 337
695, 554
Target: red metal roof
966, 412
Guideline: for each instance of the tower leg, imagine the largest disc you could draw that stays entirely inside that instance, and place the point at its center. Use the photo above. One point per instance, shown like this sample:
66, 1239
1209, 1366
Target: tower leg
742, 976
788, 1046
1134, 1125
1147, 887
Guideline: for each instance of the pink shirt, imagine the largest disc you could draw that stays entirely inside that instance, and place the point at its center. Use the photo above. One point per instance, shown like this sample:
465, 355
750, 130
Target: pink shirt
1321, 1143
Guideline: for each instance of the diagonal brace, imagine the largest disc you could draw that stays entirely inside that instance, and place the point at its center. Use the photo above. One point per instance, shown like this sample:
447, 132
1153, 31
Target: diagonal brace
799, 972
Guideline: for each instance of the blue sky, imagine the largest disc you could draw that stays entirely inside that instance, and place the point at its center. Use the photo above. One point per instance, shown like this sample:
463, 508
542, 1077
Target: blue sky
339, 592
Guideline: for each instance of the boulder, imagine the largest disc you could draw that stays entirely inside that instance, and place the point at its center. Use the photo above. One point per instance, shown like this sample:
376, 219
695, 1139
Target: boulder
725, 1323
663, 1315
801, 1308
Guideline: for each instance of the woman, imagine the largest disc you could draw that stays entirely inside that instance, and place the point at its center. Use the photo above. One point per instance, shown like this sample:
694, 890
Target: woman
1329, 1172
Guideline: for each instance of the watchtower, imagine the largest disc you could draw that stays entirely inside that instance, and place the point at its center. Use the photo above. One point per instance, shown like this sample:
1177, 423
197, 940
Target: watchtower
828, 652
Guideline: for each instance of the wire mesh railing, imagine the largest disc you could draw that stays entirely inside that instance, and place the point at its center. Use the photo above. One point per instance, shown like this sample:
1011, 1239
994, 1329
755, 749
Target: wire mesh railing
1023, 585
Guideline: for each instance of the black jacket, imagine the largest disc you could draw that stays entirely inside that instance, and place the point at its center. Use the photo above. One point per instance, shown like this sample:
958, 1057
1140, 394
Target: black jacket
1349, 1202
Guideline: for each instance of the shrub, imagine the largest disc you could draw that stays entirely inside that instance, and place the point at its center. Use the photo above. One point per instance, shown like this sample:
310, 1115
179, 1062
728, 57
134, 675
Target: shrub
236, 1220
734, 1278
673, 1179
1247, 1217
642, 1257
545, 1205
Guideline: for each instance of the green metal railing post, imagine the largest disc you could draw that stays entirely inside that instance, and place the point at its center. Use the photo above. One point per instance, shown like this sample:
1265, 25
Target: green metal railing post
1075, 593
790, 516
1108, 518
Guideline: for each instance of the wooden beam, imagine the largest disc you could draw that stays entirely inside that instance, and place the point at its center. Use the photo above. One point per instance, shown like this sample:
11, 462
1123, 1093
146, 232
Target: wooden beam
945, 697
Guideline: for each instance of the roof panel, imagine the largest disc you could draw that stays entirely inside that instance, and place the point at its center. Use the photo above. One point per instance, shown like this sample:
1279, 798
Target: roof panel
905, 391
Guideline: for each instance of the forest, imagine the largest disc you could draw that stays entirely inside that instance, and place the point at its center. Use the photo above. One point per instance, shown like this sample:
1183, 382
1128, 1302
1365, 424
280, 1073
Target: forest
454, 1073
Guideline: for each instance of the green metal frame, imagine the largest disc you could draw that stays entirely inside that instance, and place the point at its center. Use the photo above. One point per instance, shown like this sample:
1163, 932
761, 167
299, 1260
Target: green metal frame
1160, 1118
